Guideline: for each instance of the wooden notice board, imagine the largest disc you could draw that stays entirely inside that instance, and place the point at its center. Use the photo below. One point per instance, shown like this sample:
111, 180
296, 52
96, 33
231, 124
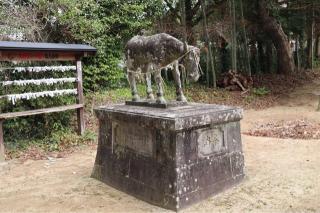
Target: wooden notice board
46, 52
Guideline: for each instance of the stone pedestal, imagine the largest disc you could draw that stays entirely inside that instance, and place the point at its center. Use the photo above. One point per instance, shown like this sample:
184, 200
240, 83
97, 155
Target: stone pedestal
171, 157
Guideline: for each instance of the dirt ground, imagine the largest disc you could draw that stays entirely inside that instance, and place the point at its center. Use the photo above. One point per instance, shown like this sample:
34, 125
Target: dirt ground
282, 175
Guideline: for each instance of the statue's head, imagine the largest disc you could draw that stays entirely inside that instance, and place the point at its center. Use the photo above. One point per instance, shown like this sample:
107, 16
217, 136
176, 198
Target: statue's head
191, 62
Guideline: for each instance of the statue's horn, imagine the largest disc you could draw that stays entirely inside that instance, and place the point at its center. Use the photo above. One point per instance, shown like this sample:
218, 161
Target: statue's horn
185, 46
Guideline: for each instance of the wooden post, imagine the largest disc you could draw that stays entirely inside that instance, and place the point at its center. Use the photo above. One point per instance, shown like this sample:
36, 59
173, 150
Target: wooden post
80, 99
2, 155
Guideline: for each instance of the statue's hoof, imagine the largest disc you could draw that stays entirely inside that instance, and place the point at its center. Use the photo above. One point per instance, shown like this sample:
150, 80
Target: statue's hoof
135, 98
150, 96
182, 98
161, 101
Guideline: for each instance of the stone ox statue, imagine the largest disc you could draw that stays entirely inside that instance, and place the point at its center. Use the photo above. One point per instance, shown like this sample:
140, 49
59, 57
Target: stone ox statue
150, 54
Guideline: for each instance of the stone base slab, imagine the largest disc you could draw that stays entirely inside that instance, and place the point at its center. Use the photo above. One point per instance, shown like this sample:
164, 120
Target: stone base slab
171, 157
153, 103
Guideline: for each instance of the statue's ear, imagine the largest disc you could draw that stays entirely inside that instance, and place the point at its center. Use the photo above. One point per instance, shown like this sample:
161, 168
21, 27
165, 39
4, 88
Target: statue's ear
185, 46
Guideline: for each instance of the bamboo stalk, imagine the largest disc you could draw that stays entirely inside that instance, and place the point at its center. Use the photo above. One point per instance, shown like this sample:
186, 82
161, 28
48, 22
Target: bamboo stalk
234, 39
210, 59
246, 49
185, 36
312, 39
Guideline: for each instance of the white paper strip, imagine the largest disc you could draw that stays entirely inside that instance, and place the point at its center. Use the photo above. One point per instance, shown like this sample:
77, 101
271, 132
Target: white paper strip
49, 81
45, 69
27, 96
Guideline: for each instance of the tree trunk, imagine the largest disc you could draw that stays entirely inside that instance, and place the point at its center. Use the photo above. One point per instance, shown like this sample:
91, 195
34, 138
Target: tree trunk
189, 25
245, 43
309, 51
183, 20
210, 57
310, 43
262, 57
234, 35
318, 47
269, 56
298, 53
280, 40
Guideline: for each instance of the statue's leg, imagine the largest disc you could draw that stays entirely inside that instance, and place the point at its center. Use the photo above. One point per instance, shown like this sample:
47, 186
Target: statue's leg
176, 76
133, 86
149, 86
160, 98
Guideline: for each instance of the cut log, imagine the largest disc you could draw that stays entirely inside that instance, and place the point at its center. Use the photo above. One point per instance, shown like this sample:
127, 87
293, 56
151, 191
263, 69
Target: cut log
235, 81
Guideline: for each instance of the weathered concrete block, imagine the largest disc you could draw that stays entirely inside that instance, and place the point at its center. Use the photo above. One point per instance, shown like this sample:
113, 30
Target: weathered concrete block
170, 157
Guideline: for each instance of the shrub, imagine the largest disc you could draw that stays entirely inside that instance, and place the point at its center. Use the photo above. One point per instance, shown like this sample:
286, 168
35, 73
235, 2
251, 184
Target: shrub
261, 91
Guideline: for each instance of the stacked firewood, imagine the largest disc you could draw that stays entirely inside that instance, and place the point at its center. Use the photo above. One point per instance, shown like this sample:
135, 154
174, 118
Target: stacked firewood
233, 80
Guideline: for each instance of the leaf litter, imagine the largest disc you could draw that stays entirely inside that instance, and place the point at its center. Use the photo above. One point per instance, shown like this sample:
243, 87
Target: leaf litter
294, 129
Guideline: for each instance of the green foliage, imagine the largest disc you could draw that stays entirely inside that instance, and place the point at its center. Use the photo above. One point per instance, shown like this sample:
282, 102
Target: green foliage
250, 99
124, 93
316, 62
103, 72
261, 91
107, 25
104, 24
58, 141
62, 140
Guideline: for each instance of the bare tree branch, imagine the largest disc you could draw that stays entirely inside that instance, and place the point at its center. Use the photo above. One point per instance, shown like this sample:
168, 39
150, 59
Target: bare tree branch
174, 10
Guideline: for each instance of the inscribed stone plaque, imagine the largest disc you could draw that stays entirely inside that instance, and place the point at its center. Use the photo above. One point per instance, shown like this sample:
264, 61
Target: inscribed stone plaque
211, 141
134, 137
